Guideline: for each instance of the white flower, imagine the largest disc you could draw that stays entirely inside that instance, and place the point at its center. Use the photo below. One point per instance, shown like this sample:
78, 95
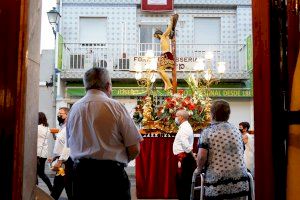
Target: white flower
176, 95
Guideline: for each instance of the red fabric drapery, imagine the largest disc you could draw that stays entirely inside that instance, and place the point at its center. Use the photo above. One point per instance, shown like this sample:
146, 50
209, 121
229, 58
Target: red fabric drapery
156, 169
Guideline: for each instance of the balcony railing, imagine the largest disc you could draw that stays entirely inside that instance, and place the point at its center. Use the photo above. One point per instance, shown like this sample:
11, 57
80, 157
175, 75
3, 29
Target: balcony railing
116, 57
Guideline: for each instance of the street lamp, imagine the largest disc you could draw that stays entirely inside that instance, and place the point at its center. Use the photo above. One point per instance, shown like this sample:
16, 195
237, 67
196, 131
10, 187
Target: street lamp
145, 71
202, 76
53, 17
206, 62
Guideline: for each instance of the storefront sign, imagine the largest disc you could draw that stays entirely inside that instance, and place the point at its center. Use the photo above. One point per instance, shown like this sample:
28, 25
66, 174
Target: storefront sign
157, 5
136, 91
182, 63
157, 2
249, 52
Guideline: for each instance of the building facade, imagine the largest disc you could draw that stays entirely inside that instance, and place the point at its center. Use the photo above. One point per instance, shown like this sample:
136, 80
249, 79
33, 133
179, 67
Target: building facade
110, 34
47, 102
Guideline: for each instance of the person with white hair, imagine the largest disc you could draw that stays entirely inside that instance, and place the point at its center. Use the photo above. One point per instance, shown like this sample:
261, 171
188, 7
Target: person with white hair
102, 138
183, 149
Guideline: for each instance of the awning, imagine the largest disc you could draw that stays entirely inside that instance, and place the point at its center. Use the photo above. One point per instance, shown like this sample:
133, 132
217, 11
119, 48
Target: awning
137, 91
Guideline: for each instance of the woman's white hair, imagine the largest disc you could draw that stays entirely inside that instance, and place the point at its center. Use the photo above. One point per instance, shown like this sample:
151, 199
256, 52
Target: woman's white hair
96, 78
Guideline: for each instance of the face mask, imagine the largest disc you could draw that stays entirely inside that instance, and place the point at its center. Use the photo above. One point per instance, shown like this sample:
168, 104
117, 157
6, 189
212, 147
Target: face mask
177, 122
241, 130
60, 120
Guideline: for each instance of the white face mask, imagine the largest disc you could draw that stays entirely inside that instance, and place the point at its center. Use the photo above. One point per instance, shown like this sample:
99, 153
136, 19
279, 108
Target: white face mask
177, 121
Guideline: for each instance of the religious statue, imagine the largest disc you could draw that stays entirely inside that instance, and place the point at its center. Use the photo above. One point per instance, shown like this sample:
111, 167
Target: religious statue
166, 60
147, 114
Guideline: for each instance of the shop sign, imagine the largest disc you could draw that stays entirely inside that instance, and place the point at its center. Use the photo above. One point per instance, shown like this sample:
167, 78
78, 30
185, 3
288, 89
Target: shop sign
136, 91
182, 63
157, 5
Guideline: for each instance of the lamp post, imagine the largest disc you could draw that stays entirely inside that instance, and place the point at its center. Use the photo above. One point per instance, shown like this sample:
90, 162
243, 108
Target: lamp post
53, 18
204, 73
145, 73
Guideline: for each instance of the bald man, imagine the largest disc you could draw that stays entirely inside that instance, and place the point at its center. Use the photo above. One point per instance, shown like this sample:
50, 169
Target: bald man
183, 149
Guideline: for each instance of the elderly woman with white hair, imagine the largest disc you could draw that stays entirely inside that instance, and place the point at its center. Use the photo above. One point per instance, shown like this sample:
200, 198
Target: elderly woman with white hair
221, 155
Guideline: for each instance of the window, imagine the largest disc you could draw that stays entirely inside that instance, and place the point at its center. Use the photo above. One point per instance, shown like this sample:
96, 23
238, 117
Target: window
148, 42
207, 30
207, 36
77, 61
92, 30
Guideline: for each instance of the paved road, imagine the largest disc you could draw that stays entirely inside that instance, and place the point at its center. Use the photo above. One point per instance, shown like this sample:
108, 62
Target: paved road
130, 172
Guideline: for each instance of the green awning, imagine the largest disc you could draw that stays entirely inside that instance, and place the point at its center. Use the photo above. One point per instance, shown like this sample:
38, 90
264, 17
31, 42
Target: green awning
137, 91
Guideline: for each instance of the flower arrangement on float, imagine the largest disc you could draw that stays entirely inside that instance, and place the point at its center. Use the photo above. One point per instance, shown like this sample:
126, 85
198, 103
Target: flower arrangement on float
162, 117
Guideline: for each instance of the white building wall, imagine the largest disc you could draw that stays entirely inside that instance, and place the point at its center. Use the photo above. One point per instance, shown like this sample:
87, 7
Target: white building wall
243, 23
236, 22
116, 15
185, 28
46, 98
241, 110
124, 19
236, 25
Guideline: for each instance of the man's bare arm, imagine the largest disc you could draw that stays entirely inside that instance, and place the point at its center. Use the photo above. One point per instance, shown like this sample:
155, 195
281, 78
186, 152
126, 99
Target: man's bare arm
133, 151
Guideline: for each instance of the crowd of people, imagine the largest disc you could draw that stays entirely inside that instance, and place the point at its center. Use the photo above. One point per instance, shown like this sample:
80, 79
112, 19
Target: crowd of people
97, 139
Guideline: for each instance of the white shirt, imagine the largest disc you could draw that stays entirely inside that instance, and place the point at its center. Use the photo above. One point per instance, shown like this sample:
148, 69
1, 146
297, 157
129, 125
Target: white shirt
249, 153
60, 147
42, 141
184, 139
100, 128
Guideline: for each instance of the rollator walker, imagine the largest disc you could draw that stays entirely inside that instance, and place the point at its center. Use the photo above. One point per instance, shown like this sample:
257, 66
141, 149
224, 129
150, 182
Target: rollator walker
197, 175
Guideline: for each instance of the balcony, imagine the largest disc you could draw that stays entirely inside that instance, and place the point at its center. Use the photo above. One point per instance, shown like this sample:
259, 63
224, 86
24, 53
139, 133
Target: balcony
117, 58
